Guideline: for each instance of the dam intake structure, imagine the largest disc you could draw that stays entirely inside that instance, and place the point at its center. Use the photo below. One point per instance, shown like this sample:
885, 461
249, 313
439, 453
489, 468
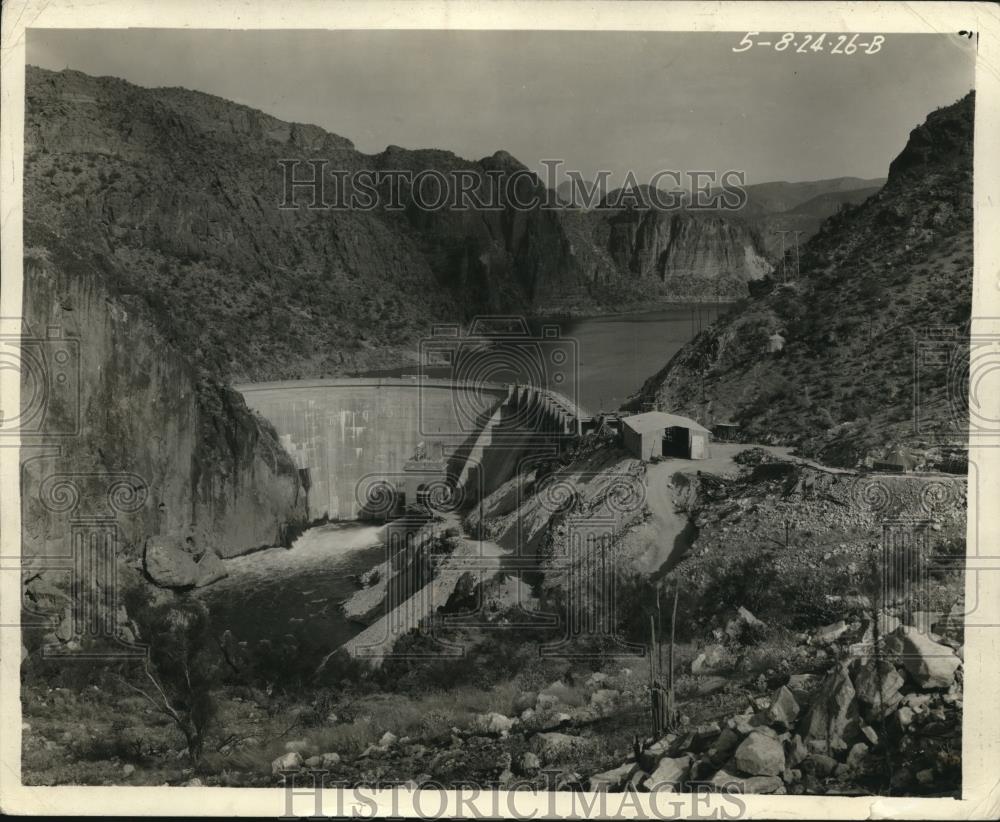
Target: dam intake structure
368, 447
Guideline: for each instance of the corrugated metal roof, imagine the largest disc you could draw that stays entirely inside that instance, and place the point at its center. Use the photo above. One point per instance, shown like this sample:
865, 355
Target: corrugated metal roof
658, 420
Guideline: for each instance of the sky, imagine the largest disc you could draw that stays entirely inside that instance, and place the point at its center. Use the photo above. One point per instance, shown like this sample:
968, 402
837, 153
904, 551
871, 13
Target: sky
619, 101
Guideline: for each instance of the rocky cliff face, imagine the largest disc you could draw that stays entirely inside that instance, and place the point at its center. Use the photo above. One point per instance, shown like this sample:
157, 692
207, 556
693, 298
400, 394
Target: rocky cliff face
159, 446
828, 361
690, 253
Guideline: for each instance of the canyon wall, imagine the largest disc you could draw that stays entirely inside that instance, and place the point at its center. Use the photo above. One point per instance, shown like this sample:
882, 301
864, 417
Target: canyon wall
127, 428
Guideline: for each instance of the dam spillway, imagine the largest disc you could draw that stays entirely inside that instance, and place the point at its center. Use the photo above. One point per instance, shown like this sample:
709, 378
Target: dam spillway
342, 432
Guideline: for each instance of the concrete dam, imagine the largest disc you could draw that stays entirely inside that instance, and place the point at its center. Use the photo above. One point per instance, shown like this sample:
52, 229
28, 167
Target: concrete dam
367, 446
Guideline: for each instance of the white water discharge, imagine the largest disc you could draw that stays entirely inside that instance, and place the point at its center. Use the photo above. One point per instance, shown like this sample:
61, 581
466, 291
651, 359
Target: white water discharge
317, 549
278, 592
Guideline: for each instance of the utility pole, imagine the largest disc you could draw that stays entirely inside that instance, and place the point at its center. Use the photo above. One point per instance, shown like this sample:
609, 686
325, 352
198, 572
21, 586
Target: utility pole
784, 269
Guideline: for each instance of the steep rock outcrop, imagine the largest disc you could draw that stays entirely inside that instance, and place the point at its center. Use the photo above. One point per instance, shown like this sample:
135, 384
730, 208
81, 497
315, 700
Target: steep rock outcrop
687, 253
194, 461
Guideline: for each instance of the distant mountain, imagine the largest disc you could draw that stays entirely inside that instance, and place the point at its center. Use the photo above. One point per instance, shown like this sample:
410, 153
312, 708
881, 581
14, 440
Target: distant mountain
830, 202
783, 230
777, 197
873, 279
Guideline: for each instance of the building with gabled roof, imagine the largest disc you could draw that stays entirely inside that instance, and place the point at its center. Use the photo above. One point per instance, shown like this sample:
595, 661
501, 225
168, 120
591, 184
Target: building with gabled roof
659, 434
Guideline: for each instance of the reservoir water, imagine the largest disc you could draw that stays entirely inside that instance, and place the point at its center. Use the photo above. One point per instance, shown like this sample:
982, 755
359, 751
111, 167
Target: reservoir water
617, 354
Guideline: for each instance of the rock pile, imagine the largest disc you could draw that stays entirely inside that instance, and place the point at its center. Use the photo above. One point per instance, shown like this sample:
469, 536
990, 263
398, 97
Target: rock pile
886, 713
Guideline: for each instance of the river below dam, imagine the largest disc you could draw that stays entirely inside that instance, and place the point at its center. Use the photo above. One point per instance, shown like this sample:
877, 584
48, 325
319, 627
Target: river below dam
279, 591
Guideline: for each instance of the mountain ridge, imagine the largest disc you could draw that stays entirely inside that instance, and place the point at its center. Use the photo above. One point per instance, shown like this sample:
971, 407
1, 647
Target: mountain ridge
178, 190
826, 362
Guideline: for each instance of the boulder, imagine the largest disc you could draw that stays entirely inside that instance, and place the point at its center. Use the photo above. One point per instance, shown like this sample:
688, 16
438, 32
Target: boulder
712, 660
388, 740
168, 564
803, 686
546, 702
795, 751
314, 762
554, 746
328, 760
638, 780
210, 569
529, 763
919, 702
724, 745
760, 755
492, 723
596, 680
702, 736
745, 724
613, 780
652, 754
560, 692
904, 716
604, 699
930, 664
833, 716
784, 708
725, 781
878, 687
856, 756
819, 764
744, 619
524, 700
670, 773
829, 633
291, 761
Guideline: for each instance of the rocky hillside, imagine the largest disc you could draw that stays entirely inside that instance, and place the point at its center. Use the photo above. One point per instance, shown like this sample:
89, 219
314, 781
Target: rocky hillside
178, 191
827, 362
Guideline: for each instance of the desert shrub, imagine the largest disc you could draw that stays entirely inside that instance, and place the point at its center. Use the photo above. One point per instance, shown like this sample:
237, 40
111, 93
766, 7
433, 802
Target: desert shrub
803, 597
751, 456
181, 670
748, 581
